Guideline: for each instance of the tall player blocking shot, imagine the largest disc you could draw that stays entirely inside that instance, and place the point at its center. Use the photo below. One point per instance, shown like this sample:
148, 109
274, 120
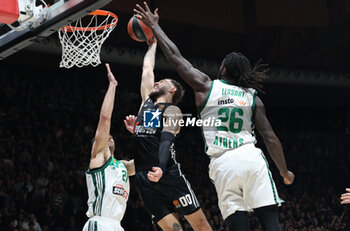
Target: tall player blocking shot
239, 170
107, 178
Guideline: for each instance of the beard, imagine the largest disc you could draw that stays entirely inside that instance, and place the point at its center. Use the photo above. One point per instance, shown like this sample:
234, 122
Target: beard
156, 94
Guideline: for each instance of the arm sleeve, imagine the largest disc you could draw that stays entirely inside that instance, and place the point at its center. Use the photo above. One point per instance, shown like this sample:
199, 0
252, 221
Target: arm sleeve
166, 140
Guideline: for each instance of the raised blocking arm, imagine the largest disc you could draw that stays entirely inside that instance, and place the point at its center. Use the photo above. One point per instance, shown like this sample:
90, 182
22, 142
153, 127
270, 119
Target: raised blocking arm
199, 81
104, 124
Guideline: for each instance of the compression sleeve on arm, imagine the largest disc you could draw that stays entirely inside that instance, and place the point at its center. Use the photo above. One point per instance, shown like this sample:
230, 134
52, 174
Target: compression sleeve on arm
166, 140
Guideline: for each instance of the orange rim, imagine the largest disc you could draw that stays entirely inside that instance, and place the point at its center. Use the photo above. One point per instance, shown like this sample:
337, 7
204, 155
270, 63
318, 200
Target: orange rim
96, 12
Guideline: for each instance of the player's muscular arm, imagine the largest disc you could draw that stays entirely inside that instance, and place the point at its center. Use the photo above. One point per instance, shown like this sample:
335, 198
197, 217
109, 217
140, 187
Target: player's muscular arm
147, 79
104, 124
172, 116
271, 141
171, 127
199, 81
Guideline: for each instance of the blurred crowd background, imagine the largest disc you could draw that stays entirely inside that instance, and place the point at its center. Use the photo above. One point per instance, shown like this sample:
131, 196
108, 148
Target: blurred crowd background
47, 121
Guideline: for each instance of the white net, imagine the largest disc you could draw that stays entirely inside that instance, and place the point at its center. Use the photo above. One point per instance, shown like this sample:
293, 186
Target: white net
81, 44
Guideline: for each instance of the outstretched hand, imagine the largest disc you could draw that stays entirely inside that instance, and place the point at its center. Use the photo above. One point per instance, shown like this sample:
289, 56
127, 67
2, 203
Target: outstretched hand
129, 123
155, 174
146, 16
110, 75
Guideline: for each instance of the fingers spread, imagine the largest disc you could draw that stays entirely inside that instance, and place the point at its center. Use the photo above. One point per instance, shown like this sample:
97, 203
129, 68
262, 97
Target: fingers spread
146, 7
140, 8
138, 13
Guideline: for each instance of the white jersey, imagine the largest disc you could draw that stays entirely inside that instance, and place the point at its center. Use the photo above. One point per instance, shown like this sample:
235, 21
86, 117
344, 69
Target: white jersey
234, 107
108, 189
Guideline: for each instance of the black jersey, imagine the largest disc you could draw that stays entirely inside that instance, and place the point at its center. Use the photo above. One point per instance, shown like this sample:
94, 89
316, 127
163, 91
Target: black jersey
172, 192
147, 136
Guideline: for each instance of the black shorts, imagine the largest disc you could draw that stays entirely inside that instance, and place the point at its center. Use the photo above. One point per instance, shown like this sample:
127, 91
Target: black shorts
172, 193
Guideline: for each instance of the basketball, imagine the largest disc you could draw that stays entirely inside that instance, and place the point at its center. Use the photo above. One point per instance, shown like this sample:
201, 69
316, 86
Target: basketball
138, 30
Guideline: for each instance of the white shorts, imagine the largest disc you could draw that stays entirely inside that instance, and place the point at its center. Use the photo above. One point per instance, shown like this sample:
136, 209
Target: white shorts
97, 223
242, 180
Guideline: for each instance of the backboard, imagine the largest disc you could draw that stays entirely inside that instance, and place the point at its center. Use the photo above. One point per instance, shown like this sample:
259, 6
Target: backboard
58, 14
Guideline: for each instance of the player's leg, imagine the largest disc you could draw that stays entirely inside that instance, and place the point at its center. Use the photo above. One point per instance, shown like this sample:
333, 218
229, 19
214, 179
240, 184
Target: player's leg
268, 217
170, 223
226, 173
238, 221
156, 203
260, 192
198, 221
184, 199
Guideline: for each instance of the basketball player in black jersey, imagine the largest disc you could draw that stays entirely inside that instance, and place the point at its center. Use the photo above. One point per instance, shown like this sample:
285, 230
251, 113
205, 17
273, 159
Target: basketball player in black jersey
163, 188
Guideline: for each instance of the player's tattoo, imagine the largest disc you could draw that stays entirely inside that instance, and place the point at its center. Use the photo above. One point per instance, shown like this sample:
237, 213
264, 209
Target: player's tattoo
176, 227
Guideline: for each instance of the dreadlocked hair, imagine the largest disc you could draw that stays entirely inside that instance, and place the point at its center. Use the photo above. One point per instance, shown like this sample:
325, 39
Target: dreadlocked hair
238, 68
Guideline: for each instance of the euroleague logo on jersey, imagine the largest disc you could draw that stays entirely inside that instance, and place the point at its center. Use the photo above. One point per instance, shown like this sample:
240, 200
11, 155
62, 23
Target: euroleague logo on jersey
119, 190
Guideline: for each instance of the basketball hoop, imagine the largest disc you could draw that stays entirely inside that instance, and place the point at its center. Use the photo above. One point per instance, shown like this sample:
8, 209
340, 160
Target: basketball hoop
81, 45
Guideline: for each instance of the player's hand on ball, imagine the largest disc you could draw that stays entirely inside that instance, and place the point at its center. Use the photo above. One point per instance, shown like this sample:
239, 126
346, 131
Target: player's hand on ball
145, 15
110, 75
288, 178
129, 123
155, 174
345, 198
151, 41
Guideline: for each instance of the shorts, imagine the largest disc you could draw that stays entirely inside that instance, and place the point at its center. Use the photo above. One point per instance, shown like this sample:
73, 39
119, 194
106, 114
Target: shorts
172, 193
97, 223
243, 180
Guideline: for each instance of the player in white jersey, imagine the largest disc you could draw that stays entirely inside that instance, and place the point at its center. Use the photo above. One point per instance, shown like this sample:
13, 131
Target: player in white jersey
239, 169
107, 179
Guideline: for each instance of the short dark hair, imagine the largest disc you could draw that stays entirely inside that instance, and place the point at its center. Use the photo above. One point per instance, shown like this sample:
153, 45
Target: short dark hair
179, 93
238, 69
